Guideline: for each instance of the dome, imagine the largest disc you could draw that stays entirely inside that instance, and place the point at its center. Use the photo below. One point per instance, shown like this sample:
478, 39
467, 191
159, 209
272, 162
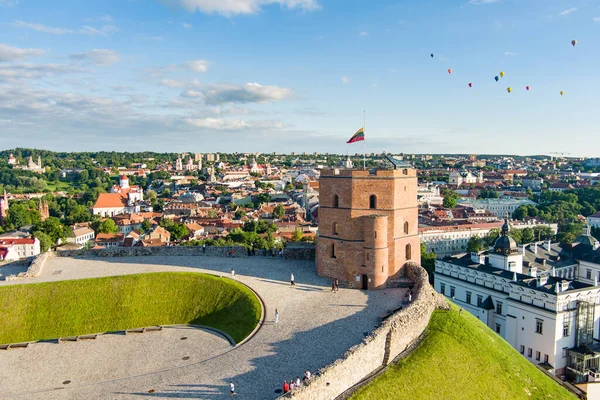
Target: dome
124, 177
587, 240
505, 244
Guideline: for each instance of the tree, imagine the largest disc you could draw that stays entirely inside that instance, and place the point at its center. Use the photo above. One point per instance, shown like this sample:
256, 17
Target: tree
53, 228
146, 225
297, 235
491, 237
178, 231
212, 213
450, 197
527, 236
166, 192
279, 211
239, 214
475, 244
45, 240
151, 196
428, 262
108, 226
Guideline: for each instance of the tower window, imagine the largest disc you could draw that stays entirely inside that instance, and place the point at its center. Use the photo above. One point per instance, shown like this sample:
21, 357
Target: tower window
333, 251
407, 250
373, 201
406, 227
336, 201
334, 228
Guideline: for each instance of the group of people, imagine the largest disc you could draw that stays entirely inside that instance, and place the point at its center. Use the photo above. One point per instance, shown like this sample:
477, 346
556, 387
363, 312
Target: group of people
296, 383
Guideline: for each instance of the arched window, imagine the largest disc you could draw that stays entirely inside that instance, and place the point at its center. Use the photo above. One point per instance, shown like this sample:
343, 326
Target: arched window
373, 201
406, 227
336, 201
332, 250
407, 250
334, 228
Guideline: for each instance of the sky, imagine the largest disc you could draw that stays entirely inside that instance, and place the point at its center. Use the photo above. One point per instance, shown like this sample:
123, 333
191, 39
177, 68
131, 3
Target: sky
301, 75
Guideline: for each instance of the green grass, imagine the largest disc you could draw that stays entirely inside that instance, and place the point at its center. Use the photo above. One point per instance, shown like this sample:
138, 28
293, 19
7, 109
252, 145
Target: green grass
461, 358
68, 308
59, 186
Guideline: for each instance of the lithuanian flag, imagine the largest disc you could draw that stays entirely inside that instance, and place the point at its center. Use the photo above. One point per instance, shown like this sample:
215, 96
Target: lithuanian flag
358, 136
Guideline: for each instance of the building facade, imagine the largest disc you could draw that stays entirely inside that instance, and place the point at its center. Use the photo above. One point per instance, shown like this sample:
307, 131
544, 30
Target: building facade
539, 299
367, 225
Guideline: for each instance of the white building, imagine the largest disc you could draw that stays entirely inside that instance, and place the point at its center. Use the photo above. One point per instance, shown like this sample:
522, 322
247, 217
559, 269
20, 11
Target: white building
123, 199
594, 220
541, 299
81, 235
15, 249
459, 177
499, 207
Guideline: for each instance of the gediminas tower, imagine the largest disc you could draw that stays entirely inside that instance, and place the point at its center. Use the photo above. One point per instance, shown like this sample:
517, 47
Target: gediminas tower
368, 225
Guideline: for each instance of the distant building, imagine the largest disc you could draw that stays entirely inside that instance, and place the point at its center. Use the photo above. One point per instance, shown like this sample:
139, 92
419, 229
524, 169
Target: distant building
16, 249
594, 220
81, 235
109, 239
3, 207
11, 160
123, 199
499, 207
464, 177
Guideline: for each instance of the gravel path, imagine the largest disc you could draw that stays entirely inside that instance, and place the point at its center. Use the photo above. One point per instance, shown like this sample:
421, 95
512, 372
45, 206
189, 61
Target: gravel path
315, 327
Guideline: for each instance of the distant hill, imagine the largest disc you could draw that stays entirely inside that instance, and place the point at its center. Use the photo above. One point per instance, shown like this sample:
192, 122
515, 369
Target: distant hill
461, 358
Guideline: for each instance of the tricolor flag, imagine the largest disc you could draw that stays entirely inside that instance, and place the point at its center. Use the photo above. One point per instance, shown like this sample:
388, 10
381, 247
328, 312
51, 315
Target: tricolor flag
358, 136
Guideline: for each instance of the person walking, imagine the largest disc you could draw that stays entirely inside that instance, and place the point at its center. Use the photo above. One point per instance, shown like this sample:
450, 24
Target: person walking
297, 381
232, 273
276, 316
204, 247
232, 388
292, 279
337, 285
333, 286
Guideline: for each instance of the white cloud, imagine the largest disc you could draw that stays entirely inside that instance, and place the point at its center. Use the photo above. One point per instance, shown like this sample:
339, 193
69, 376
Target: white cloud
482, 1
98, 56
597, 19
186, 26
196, 65
247, 93
509, 53
232, 125
363, 34
85, 30
235, 7
345, 80
107, 18
568, 11
8, 3
103, 31
174, 83
41, 28
35, 71
9, 53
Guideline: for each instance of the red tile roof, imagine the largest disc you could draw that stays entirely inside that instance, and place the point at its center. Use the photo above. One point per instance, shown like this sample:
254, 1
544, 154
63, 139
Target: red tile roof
110, 200
16, 241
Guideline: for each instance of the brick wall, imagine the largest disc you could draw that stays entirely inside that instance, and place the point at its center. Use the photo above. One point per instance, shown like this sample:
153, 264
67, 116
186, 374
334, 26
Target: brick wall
214, 251
397, 333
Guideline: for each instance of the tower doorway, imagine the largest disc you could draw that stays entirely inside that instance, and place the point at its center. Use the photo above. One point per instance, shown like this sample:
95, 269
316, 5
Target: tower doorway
365, 282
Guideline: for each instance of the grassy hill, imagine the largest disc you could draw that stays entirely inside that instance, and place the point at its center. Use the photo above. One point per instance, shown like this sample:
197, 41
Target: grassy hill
461, 358
67, 308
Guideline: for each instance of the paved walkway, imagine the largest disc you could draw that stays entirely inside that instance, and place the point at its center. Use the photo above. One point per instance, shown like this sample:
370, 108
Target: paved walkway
315, 327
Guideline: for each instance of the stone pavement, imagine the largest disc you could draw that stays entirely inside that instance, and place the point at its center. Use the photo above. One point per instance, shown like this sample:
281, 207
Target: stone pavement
315, 328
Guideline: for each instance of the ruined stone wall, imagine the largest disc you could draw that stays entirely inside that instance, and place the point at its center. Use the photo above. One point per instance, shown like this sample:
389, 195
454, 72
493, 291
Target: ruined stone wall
34, 269
299, 251
394, 335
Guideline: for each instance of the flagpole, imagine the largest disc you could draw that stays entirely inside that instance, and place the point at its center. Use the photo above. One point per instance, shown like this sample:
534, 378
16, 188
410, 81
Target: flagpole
364, 140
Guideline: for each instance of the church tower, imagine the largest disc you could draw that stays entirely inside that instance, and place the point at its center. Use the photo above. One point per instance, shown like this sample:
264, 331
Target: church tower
43, 209
368, 225
3, 207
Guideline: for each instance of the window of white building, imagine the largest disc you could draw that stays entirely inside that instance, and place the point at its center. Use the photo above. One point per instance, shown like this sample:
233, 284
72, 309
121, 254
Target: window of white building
442, 288
567, 324
537, 356
588, 274
522, 350
468, 297
545, 358
452, 291
479, 300
499, 307
565, 352
498, 327
539, 326
529, 352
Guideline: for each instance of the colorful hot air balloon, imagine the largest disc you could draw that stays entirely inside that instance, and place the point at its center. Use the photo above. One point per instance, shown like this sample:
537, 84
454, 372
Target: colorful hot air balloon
501, 74
431, 55
562, 92
526, 87
450, 70
470, 84
573, 42
496, 78
509, 89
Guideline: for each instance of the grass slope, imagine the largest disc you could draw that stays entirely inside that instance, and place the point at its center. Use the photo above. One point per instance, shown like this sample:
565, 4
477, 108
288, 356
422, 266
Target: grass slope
461, 358
67, 308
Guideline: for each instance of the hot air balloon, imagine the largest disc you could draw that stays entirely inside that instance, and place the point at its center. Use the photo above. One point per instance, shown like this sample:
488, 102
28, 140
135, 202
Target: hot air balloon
573, 42
526, 87
450, 70
509, 89
470, 84
496, 78
562, 92
431, 55
501, 74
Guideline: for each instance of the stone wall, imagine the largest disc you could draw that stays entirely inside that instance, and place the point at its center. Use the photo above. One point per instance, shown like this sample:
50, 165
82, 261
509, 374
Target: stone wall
378, 349
35, 268
214, 251
299, 251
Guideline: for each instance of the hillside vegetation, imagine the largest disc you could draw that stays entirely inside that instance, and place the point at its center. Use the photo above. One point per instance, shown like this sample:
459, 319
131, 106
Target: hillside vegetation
461, 358
67, 308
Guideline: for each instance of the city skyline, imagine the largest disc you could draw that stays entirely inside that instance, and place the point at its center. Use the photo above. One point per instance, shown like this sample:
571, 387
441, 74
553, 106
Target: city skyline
296, 75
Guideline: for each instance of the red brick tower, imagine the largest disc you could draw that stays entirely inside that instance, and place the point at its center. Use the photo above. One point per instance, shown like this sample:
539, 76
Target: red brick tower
368, 224
3, 207
43, 209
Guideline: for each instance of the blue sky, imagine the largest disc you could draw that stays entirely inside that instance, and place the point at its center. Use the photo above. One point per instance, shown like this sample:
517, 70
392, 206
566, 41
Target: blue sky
296, 75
